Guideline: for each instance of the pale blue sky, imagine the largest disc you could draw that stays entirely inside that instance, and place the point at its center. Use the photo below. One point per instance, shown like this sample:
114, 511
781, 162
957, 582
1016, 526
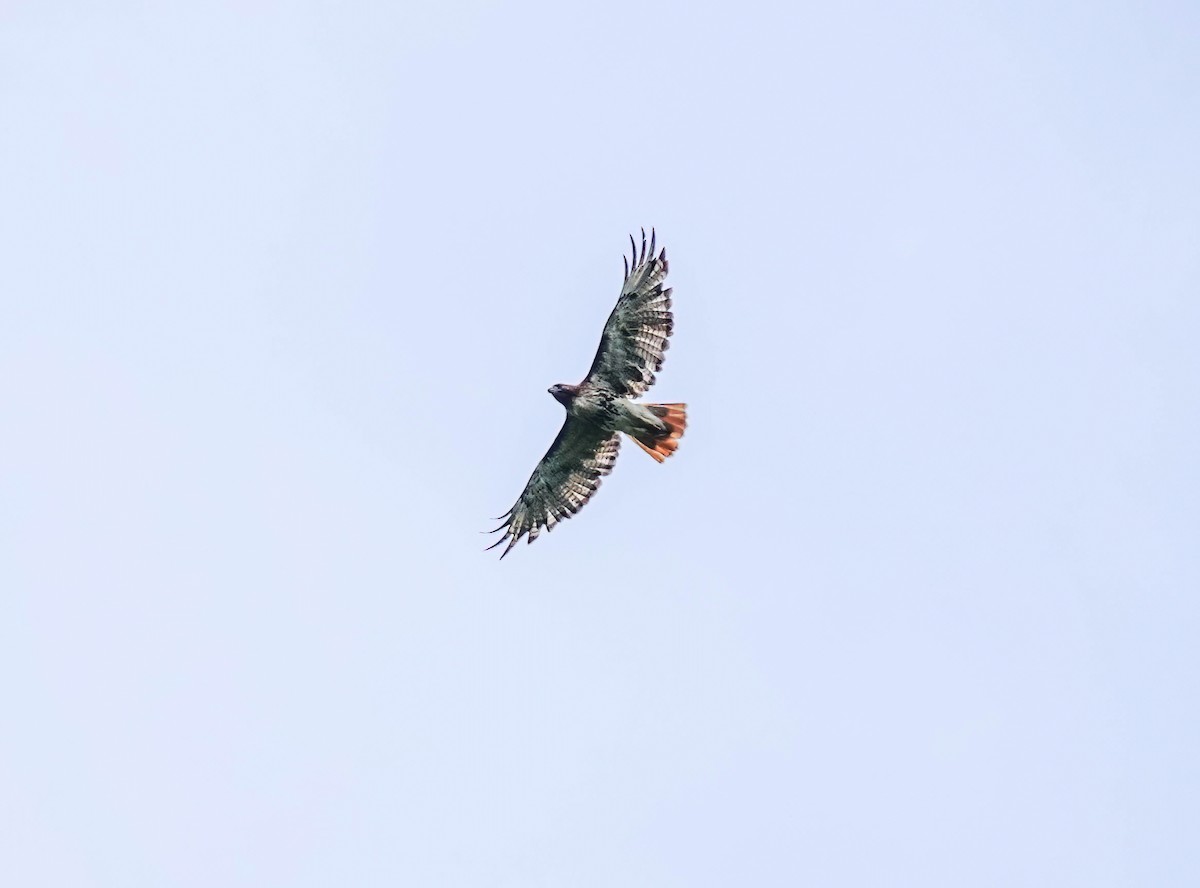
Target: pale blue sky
282, 286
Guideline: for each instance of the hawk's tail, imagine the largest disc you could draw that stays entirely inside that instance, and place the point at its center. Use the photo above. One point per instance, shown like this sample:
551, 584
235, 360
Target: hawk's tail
662, 445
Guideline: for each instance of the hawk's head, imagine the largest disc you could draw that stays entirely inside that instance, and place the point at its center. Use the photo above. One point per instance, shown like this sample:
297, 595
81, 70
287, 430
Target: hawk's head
563, 393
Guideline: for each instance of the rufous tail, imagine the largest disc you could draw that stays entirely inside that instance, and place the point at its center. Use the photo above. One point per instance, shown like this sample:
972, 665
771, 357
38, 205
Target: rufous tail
662, 445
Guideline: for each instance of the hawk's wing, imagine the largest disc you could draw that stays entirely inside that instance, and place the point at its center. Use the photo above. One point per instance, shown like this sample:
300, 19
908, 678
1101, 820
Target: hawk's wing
635, 336
563, 481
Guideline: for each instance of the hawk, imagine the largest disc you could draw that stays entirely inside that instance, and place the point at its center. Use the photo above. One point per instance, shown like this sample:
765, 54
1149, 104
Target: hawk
600, 408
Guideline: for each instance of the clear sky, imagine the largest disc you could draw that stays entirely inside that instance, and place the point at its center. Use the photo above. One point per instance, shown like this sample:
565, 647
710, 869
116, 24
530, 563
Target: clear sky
282, 287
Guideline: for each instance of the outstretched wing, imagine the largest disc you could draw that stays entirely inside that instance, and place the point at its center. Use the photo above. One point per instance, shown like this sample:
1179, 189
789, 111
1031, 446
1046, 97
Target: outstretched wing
563, 481
635, 336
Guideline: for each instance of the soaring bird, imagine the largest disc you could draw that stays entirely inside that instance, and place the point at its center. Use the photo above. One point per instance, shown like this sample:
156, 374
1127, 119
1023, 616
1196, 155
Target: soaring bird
600, 407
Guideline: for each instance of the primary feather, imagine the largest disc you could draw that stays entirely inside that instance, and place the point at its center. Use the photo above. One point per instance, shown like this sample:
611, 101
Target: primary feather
634, 341
563, 481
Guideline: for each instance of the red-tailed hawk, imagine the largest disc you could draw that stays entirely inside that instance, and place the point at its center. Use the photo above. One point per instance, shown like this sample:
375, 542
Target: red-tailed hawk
599, 408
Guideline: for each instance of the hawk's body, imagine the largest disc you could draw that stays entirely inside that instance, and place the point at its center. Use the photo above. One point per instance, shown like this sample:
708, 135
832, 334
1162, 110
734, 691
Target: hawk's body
599, 408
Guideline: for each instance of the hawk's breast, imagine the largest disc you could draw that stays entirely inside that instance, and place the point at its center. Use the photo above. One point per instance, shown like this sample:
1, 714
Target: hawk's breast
597, 406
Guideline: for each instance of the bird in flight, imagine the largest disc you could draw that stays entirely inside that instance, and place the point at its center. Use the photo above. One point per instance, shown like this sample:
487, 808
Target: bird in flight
600, 408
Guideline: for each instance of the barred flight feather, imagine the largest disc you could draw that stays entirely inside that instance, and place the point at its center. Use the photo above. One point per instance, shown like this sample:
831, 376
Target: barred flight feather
562, 483
634, 340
